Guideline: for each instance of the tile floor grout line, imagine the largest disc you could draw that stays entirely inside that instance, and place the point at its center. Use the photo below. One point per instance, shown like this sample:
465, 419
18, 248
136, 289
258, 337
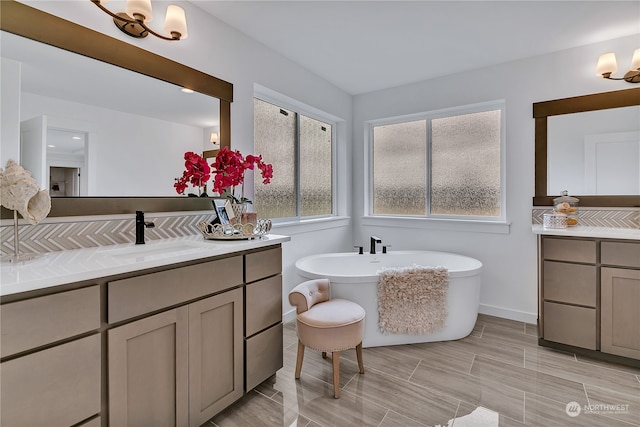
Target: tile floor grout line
473, 359
524, 407
414, 369
455, 415
385, 416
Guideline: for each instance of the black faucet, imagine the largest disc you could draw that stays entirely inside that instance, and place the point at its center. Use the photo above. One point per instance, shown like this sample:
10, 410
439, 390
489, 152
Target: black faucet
140, 226
374, 240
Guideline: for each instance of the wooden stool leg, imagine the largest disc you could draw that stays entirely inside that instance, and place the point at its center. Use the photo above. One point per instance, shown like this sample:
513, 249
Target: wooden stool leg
336, 374
359, 354
299, 359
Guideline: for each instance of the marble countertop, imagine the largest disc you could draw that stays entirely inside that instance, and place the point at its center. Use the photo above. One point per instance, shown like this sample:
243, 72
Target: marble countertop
58, 268
584, 231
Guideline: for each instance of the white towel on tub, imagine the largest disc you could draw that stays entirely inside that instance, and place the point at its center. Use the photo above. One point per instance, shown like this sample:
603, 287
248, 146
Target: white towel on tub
412, 300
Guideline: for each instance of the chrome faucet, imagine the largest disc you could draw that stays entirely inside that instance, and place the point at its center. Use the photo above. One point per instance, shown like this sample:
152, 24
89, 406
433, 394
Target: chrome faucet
374, 240
140, 226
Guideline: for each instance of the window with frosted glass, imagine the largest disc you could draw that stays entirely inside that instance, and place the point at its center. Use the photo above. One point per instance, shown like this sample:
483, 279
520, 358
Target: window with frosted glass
315, 167
465, 164
435, 165
275, 139
300, 150
399, 168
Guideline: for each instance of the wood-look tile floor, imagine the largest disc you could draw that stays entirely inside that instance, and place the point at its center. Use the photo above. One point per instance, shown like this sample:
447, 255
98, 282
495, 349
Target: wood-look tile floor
497, 376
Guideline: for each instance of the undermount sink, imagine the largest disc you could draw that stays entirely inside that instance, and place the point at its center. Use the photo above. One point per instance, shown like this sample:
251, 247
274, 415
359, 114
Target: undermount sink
154, 249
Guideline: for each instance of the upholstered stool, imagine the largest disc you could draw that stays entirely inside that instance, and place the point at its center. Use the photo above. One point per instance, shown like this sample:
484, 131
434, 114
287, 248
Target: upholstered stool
326, 325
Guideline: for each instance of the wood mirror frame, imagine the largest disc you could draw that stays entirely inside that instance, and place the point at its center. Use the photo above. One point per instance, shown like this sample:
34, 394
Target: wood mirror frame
26, 21
578, 104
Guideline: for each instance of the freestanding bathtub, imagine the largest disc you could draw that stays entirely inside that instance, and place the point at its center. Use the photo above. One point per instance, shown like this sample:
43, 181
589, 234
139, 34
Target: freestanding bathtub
354, 277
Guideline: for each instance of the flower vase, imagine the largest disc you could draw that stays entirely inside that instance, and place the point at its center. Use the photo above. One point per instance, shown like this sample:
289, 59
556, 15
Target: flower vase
239, 209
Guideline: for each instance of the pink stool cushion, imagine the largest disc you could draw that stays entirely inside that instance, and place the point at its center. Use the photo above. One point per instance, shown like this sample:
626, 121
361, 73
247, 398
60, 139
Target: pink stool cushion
333, 325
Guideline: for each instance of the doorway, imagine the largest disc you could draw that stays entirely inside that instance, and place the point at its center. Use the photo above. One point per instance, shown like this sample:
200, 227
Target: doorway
64, 181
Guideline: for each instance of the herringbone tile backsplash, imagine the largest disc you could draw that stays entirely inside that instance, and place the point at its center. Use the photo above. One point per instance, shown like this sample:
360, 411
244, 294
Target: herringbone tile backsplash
614, 218
77, 234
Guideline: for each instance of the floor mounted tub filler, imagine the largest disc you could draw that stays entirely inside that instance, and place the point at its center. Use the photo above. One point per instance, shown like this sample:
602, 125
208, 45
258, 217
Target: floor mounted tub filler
355, 277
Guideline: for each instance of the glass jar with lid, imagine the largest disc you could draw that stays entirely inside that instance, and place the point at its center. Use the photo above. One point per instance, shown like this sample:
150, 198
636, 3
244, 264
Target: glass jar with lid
568, 206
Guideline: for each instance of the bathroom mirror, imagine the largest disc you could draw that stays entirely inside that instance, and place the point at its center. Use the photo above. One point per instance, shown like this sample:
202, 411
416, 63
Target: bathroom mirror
590, 146
211, 95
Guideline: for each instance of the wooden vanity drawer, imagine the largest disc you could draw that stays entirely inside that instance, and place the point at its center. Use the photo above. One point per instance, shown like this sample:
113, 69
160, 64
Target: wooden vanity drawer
59, 386
263, 356
262, 264
569, 250
622, 254
44, 320
568, 324
263, 304
570, 283
144, 294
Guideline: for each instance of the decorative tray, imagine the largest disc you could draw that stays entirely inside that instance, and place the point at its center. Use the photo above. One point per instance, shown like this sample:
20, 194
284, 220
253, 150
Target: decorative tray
234, 231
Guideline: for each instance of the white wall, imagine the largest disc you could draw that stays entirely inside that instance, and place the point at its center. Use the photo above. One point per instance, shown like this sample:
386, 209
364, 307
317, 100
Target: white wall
509, 287
9, 111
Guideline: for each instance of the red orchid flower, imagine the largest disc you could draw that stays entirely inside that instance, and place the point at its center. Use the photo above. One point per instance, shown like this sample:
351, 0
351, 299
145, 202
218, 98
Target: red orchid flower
197, 172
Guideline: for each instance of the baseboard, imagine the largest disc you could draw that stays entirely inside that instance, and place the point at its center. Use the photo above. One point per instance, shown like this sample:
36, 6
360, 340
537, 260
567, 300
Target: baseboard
289, 316
506, 313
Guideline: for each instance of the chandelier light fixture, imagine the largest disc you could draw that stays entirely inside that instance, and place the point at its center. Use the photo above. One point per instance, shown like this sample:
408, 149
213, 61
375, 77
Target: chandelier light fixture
607, 65
133, 21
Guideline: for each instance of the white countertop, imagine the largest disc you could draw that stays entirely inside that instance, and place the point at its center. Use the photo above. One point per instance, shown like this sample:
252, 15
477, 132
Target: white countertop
584, 231
58, 268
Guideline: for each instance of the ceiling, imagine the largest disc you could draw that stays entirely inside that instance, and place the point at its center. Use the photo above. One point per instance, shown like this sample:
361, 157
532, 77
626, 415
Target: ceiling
363, 46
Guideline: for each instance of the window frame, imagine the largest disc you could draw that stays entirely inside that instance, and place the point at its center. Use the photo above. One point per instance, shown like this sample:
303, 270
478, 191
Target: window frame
428, 116
299, 109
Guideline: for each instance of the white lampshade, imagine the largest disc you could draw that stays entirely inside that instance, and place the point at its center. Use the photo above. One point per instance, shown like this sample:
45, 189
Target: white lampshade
635, 62
176, 21
139, 7
607, 64
214, 138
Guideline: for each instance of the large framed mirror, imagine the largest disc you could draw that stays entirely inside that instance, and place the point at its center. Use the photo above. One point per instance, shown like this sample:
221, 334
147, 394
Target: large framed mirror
590, 146
188, 121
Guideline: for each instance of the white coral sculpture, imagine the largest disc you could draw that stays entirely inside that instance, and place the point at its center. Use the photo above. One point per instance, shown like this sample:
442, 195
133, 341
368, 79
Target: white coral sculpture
20, 192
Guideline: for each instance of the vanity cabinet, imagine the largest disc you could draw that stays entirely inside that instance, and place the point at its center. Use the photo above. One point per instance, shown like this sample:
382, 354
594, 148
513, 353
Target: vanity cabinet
620, 290
170, 345
590, 294
263, 333
182, 366
179, 367
569, 292
51, 359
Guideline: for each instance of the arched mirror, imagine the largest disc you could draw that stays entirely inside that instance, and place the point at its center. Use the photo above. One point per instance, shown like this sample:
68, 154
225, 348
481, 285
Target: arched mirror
590, 146
131, 125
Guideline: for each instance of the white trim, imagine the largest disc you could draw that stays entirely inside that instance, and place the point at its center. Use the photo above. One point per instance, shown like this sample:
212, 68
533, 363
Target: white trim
506, 313
428, 116
448, 224
308, 225
268, 95
289, 316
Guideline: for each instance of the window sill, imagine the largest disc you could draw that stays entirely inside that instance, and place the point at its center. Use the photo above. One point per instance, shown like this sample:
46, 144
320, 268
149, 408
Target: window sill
475, 226
307, 225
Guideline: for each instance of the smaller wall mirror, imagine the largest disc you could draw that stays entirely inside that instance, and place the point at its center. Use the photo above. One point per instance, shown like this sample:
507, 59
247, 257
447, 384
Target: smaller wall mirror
590, 146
